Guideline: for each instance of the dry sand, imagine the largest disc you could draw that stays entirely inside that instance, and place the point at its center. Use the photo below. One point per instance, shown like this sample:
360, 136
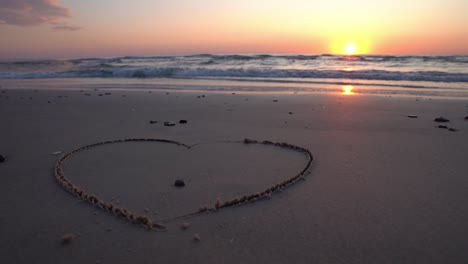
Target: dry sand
383, 188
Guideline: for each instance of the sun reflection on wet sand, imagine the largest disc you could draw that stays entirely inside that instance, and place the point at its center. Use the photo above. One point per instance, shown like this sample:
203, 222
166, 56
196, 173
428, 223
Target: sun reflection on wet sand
347, 90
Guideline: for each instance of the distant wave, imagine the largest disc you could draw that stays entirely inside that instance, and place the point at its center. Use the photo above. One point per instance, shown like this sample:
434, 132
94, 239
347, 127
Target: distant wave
448, 69
107, 71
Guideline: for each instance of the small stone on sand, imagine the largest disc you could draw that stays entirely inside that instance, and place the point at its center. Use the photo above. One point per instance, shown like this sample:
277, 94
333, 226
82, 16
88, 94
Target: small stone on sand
412, 116
275, 101
466, 117
167, 123
153, 122
453, 129
67, 239
442, 126
183, 121
179, 183
2, 158
196, 238
184, 226
441, 120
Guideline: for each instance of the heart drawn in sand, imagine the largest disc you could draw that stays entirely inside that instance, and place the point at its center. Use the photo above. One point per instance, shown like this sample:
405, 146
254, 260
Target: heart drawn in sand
143, 220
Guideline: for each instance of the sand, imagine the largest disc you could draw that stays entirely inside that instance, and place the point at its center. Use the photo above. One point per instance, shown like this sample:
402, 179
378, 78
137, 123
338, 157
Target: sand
383, 188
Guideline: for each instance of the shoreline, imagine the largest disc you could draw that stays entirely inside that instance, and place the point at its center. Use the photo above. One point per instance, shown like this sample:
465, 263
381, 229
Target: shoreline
255, 85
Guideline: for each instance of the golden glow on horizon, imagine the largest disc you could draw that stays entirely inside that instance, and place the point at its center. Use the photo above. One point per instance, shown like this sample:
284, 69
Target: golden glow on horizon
351, 46
347, 90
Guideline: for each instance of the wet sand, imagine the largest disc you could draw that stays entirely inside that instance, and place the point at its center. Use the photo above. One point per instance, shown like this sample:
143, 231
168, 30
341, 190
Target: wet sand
383, 187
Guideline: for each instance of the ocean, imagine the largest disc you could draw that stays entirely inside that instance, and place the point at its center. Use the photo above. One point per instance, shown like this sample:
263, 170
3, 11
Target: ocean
437, 76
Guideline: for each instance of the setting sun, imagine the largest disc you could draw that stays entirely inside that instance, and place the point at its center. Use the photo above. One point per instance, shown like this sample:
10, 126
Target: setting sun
351, 45
350, 49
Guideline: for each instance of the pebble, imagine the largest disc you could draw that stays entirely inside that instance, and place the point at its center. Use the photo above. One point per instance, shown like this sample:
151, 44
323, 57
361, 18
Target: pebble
196, 238
442, 126
412, 116
57, 152
275, 101
441, 120
290, 113
179, 183
453, 129
153, 122
185, 226
2, 158
466, 117
67, 239
183, 121
167, 123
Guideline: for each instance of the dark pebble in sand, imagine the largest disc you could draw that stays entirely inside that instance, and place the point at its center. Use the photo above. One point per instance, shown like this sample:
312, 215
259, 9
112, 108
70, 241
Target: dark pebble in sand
153, 122
100, 94
453, 129
466, 117
275, 101
2, 158
441, 120
67, 239
290, 113
179, 183
412, 116
169, 124
442, 126
183, 121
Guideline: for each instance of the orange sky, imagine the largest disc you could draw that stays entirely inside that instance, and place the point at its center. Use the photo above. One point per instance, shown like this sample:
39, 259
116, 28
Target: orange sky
83, 28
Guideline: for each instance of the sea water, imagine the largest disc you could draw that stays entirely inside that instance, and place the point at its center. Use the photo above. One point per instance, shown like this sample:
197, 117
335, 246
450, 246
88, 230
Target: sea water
445, 76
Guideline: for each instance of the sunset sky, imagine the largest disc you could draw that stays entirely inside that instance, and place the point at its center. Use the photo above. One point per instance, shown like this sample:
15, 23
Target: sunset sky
85, 28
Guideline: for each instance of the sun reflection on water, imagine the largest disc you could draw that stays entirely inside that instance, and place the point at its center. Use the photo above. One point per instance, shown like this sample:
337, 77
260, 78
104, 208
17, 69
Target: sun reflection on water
347, 90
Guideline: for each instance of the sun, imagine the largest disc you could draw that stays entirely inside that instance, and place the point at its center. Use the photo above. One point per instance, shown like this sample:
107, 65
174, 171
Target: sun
350, 49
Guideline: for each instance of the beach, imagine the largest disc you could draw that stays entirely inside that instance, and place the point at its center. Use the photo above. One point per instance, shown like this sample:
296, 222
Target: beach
382, 188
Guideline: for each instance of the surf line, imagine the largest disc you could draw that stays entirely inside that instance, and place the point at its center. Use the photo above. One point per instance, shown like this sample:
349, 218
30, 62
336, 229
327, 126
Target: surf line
151, 224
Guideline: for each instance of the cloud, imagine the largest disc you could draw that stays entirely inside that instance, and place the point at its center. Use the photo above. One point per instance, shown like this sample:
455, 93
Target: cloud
66, 28
33, 12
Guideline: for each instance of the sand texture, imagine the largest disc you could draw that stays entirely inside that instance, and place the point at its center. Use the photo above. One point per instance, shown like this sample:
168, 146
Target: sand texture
386, 184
